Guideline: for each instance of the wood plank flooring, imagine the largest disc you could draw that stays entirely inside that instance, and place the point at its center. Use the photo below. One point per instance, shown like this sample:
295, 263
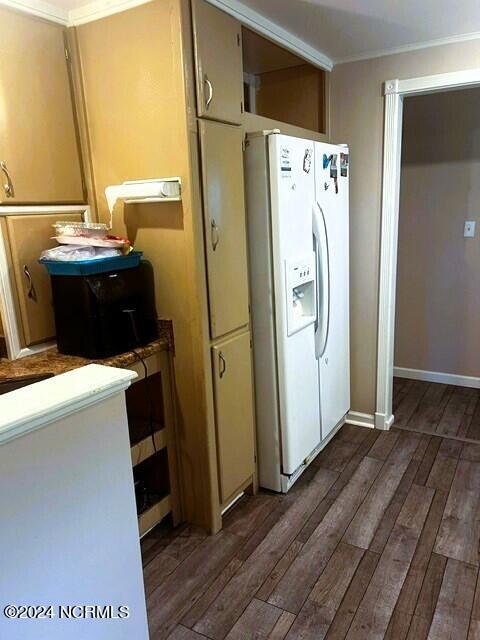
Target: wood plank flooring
378, 539
439, 409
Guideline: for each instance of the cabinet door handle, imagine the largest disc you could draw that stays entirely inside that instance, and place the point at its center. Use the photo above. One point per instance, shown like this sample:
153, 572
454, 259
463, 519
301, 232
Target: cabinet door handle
222, 364
209, 96
31, 293
215, 234
8, 185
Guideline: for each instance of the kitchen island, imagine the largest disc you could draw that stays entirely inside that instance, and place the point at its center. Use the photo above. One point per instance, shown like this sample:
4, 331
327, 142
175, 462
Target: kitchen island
69, 530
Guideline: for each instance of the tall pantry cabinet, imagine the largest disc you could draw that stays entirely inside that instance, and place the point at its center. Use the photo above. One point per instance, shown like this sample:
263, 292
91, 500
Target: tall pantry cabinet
220, 105
174, 109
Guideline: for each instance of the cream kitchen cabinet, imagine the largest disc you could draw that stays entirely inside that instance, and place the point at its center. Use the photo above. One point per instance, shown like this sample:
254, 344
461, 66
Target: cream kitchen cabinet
224, 219
27, 236
146, 125
218, 58
234, 413
39, 150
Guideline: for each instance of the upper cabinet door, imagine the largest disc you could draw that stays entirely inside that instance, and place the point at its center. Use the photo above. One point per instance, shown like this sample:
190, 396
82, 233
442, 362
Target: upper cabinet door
39, 153
218, 52
225, 231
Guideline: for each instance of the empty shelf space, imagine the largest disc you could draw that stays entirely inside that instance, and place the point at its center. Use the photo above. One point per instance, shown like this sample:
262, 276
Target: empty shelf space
145, 448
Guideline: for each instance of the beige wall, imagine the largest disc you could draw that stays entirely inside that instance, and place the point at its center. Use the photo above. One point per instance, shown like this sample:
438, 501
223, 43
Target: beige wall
357, 118
438, 270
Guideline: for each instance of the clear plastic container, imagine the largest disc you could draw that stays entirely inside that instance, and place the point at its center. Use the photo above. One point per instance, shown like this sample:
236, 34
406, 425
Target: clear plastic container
85, 229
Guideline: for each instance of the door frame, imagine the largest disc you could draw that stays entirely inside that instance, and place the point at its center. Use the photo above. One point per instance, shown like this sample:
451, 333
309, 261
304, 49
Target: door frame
394, 92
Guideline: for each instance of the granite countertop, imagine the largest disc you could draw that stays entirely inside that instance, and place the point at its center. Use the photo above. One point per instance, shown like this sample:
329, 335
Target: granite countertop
51, 362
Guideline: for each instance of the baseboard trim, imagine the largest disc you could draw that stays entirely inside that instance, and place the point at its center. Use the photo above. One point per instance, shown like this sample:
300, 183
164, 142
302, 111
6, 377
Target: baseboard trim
361, 419
436, 376
383, 421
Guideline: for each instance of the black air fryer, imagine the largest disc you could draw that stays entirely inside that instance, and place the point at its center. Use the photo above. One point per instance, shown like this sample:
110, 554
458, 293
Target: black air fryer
102, 315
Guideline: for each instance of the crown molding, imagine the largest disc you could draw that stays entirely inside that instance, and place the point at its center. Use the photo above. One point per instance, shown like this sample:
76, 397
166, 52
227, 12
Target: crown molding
274, 32
40, 9
416, 46
100, 9
248, 17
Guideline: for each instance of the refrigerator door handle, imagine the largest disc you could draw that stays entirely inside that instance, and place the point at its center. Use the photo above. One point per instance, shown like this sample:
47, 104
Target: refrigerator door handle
323, 280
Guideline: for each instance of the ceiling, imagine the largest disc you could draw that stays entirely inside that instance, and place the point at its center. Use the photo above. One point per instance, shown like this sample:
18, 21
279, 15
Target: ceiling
326, 31
346, 29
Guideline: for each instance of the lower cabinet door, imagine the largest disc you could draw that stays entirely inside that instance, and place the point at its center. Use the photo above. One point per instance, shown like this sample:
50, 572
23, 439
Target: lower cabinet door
233, 386
28, 236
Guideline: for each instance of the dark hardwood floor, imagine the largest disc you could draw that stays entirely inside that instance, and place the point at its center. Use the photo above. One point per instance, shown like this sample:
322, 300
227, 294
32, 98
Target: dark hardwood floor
378, 539
430, 407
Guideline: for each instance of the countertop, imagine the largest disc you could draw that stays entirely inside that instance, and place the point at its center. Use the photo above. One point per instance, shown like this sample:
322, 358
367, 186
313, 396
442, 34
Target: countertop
51, 362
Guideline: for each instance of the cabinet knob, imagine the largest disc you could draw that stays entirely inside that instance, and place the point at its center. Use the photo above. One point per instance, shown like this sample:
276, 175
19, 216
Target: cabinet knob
8, 185
222, 368
209, 96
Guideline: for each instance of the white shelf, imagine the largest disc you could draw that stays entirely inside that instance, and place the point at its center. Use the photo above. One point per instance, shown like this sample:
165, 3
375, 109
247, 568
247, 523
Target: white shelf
144, 191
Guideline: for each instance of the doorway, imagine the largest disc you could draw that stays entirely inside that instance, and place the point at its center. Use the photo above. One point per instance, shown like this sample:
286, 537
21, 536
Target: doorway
437, 310
396, 92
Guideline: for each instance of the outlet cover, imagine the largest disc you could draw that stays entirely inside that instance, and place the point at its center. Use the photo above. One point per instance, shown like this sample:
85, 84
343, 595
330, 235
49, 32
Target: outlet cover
469, 229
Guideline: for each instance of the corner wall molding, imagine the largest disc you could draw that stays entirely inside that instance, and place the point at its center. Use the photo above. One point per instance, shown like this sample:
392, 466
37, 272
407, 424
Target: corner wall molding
437, 376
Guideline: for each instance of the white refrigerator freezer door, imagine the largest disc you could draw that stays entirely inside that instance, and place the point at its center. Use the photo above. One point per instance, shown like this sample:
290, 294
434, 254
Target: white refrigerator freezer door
292, 198
334, 363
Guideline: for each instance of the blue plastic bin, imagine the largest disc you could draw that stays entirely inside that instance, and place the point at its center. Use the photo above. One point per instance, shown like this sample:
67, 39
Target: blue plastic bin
92, 267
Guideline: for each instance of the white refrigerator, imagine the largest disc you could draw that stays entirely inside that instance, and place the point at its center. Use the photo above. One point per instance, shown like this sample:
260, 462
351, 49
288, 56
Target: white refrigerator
297, 211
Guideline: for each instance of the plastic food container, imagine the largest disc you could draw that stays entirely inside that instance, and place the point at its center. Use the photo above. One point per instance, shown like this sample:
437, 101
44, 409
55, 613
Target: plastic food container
94, 241
85, 229
92, 267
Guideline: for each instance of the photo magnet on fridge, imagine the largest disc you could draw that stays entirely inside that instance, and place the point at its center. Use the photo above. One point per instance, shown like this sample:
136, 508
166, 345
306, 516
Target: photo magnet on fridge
307, 160
344, 165
333, 166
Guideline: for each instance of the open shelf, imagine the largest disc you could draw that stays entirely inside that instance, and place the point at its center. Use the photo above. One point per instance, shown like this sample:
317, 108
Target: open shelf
145, 449
150, 408
153, 515
280, 86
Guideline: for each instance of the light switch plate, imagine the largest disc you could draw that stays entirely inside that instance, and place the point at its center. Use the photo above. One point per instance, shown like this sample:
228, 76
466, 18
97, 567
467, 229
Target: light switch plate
469, 229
